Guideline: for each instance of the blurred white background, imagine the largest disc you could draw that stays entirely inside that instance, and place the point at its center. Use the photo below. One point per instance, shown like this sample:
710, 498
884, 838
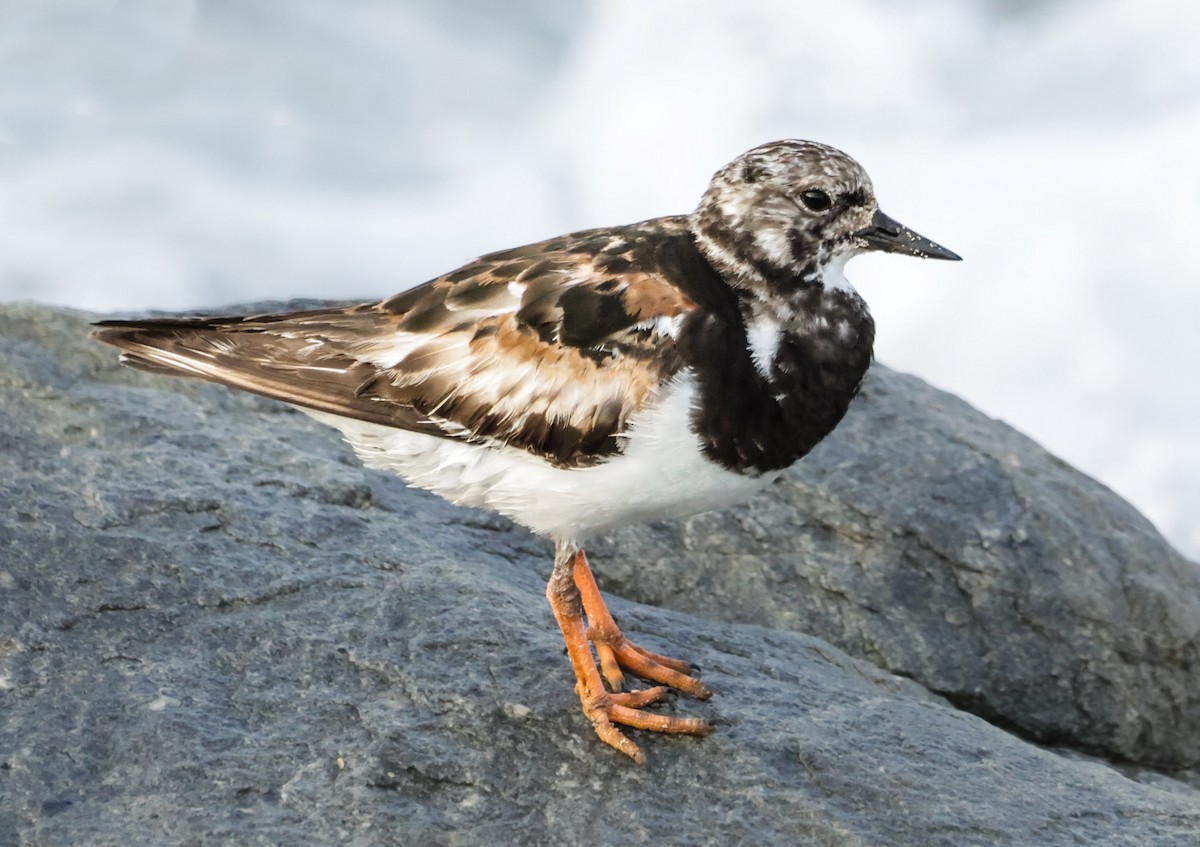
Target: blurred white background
180, 154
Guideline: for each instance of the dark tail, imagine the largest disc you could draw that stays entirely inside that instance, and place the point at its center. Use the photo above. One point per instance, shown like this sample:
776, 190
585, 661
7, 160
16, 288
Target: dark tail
295, 357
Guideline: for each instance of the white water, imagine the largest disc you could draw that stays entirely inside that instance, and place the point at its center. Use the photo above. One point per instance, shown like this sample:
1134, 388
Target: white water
171, 154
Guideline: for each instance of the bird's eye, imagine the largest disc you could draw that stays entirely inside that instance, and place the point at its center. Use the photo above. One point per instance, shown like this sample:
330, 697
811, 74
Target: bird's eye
816, 199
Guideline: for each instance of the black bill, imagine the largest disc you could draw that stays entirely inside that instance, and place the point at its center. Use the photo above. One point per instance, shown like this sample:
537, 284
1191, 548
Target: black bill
893, 237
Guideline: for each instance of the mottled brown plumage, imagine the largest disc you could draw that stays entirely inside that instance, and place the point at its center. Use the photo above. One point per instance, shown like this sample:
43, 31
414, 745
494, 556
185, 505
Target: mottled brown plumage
550, 348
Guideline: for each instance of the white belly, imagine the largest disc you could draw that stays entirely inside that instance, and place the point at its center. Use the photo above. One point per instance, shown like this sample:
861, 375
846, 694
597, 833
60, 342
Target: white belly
662, 473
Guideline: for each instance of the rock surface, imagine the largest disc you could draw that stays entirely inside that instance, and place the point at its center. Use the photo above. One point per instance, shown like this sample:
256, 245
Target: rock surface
216, 628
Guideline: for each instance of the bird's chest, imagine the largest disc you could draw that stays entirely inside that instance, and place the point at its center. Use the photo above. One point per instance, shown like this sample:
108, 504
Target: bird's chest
770, 390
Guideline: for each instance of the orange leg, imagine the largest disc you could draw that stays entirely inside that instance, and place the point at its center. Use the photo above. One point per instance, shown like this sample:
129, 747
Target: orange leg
603, 708
616, 651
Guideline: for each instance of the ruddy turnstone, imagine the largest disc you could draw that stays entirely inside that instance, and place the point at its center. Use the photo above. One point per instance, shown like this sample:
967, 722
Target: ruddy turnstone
612, 375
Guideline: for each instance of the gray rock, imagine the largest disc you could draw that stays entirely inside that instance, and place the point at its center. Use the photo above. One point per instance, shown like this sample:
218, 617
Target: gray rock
216, 628
944, 546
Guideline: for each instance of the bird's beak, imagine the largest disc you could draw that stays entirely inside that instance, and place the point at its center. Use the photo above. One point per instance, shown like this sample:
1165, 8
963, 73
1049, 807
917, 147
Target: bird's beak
893, 237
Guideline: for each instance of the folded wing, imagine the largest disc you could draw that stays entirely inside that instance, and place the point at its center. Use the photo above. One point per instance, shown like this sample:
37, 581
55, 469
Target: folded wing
551, 348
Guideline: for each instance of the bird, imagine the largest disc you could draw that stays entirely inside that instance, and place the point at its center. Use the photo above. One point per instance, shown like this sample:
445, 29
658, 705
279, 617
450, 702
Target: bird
592, 380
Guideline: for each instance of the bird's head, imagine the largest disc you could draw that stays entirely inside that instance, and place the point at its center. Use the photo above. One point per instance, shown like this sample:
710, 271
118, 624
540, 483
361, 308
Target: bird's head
792, 211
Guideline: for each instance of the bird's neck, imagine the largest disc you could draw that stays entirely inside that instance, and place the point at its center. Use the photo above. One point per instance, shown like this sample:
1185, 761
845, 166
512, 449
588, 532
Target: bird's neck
810, 312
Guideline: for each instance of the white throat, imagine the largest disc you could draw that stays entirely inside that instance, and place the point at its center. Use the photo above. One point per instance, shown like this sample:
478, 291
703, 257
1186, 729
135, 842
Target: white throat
833, 275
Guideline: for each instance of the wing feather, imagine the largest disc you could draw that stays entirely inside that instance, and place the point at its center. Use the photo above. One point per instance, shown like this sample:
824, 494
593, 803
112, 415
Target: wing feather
551, 348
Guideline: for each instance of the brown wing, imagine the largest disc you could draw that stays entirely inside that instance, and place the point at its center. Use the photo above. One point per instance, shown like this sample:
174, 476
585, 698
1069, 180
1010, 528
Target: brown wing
551, 347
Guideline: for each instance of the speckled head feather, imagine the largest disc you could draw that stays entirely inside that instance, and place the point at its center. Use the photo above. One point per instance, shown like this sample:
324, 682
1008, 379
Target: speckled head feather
782, 211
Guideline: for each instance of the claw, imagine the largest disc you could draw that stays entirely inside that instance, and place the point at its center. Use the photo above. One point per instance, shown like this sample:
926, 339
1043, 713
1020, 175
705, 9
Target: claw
623, 653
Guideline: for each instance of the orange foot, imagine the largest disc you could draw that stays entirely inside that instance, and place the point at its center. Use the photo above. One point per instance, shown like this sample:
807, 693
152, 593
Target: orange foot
616, 651
605, 709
